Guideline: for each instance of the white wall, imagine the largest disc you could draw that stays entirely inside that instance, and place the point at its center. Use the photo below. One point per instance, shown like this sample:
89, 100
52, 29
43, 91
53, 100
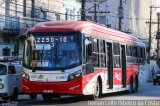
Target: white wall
72, 7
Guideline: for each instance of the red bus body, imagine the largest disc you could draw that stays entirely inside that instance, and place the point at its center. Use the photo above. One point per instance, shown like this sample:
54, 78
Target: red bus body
84, 85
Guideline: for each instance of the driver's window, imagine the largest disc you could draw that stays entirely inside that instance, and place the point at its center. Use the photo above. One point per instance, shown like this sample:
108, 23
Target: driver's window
11, 70
88, 49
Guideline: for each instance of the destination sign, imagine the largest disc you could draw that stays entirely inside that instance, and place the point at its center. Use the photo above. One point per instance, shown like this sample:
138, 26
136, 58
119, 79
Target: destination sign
54, 39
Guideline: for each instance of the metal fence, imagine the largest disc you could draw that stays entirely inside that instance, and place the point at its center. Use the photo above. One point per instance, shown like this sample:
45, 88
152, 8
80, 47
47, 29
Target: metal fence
17, 24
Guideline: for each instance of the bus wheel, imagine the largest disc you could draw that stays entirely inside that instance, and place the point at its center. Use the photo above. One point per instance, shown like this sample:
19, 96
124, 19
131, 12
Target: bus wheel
47, 97
33, 96
14, 96
131, 86
136, 85
96, 90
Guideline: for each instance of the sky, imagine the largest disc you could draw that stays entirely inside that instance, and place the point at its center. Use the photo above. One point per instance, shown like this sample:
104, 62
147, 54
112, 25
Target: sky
158, 4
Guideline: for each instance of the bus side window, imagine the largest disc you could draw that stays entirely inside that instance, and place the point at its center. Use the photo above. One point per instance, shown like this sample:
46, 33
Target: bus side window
88, 50
116, 57
95, 52
102, 54
11, 70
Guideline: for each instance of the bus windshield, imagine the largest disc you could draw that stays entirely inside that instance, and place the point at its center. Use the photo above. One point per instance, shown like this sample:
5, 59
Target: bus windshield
3, 69
52, 50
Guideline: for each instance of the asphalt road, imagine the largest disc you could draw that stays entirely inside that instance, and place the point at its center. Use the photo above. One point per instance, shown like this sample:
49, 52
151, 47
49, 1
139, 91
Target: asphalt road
148, 95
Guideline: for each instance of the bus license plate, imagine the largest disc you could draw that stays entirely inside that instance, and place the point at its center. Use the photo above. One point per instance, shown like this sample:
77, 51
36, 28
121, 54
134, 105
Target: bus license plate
48, 91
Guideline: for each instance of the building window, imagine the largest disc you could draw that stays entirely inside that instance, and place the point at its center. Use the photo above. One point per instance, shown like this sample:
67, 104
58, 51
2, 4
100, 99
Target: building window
58, 17
6, 40
6, 52
78, 15
71, 15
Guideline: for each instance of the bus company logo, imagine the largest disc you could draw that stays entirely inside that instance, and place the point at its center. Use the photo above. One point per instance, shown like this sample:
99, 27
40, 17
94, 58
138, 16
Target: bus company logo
40, 77
117, 76
60, 77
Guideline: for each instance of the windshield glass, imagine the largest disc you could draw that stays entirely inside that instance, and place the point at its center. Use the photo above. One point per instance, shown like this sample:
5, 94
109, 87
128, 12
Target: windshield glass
3, 69
53, 50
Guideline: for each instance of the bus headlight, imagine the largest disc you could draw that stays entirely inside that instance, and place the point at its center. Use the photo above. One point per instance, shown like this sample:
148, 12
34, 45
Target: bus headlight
25, 76
75, 75
1, 85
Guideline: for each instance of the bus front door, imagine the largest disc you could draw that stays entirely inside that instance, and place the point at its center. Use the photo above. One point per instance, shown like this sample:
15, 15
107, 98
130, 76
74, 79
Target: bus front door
123, 61
110, 64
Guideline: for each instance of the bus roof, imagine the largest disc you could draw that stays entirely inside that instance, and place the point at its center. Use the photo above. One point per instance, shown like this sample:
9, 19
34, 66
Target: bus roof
88, 28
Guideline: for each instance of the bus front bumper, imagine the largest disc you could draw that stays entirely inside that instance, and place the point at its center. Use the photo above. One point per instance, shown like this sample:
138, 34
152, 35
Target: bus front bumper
69, 87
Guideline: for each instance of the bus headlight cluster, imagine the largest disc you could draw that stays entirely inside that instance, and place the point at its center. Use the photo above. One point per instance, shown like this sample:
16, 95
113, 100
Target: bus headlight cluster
25, 76
75, 75
1, 85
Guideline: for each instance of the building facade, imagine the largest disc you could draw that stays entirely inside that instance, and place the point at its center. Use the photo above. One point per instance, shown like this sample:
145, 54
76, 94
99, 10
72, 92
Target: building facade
17, 16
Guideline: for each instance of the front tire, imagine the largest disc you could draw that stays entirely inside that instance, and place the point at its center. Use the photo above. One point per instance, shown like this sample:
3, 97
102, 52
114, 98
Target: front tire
136, 85
97, 90
33, 96
14, 96
47, 97
131, 86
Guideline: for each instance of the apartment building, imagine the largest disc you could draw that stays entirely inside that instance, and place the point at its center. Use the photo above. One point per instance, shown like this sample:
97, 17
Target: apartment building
17, 16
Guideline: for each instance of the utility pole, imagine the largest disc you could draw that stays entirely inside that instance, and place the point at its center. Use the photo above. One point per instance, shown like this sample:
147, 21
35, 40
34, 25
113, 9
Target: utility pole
150, 33
7, 14
33, 9
7, 8
16, 8
83, 16
95, 12
24, 8
158, 37
149, 41
120, 14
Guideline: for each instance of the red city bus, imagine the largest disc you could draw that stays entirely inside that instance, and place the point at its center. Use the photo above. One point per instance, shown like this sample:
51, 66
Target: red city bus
79, 57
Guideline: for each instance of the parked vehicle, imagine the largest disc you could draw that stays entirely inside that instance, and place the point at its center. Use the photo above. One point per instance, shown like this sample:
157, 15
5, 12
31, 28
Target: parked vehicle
10, 78
156, 77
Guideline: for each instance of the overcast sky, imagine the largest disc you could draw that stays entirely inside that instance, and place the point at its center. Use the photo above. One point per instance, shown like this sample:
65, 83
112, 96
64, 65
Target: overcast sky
158, 4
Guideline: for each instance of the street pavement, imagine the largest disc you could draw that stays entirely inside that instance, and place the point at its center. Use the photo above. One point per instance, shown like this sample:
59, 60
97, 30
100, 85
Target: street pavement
148, 95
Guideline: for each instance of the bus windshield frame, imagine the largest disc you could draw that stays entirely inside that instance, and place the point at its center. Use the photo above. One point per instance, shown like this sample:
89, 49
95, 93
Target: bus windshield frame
52, 50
